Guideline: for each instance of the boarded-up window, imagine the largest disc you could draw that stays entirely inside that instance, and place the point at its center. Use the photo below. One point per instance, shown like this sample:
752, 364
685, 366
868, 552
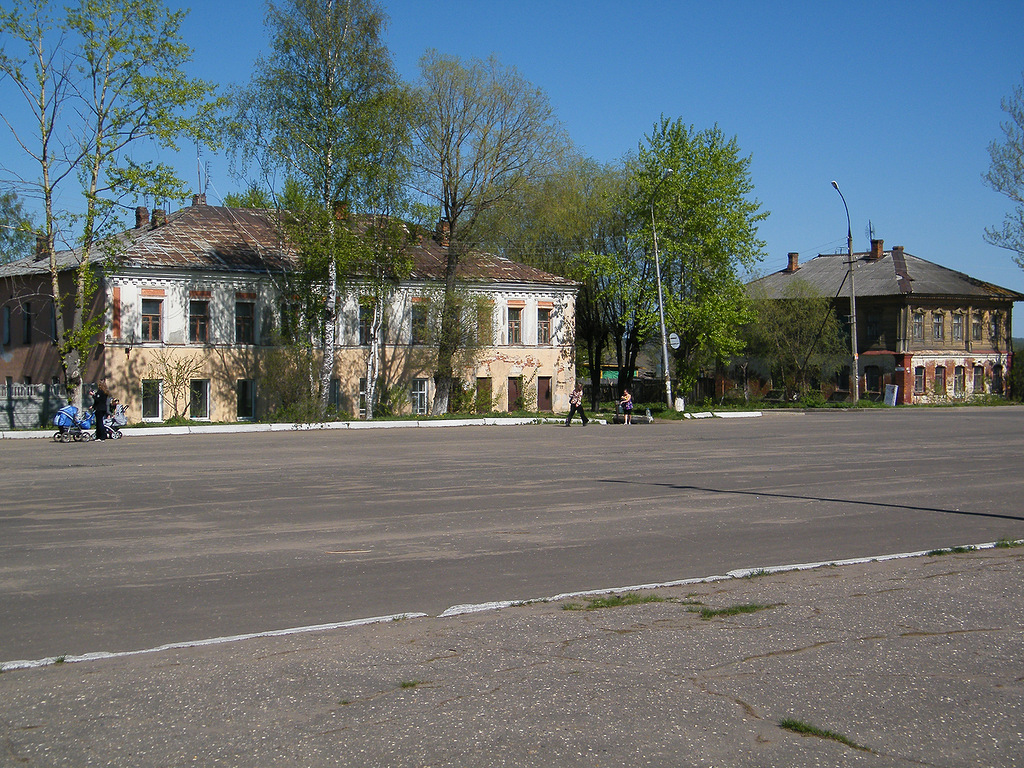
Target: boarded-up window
485, 324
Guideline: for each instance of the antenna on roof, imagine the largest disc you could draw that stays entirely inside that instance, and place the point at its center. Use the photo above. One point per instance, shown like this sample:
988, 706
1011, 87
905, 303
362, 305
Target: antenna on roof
199, 166
869, 230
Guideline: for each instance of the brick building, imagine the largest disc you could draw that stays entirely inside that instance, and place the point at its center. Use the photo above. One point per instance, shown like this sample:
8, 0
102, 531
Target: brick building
938, 334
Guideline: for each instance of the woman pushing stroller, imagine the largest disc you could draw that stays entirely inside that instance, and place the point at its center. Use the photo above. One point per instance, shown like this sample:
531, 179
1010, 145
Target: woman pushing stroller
101, 407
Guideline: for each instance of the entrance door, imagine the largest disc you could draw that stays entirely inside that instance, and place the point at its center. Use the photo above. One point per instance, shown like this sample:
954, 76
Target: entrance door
543, 393
513, 392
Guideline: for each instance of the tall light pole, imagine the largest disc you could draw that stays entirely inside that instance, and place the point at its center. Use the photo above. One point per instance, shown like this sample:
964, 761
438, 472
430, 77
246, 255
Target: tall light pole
661, 302
854, 371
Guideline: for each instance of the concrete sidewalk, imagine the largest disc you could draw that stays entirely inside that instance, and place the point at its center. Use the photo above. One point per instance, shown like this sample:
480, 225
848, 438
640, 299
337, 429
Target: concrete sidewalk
907, 662
491, 421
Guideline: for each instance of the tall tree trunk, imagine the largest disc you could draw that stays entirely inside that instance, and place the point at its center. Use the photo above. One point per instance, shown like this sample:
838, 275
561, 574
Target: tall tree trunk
448, 338
373, 361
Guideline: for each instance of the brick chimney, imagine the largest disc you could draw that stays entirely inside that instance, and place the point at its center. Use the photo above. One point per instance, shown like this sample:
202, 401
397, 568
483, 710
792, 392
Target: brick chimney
42, 246
141, 217
897, 250
794, 262
159, 217
199, 199
877, 250
443, 235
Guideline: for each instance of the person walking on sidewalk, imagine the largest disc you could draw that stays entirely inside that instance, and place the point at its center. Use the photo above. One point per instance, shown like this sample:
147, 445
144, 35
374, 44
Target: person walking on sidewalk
626, 401
576, 405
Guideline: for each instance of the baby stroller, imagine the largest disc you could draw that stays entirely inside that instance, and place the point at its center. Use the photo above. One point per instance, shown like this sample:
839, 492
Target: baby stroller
117, 419
73, 424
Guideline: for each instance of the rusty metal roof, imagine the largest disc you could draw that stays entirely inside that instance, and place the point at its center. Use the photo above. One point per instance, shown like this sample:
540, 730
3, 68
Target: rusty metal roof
215, 238
896, 273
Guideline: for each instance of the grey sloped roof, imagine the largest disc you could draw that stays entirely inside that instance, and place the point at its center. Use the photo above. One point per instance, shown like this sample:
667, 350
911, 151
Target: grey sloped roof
215, 238
895, 274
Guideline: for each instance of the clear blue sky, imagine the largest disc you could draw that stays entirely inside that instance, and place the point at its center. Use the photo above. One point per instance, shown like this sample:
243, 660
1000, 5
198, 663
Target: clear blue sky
895, 100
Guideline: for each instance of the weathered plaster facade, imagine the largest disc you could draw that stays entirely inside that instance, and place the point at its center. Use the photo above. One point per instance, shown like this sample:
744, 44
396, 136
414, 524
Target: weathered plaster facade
196, 295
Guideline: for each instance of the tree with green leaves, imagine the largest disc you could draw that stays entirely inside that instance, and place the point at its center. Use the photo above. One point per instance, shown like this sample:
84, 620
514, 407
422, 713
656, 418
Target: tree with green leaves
385, 259
17, 229
99, 79
570, 222
696, 186
1006, 176
320, 111
482, 131
798, 336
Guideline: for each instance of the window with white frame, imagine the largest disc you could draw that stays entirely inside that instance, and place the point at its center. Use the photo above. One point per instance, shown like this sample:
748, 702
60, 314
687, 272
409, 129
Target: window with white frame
958, 327
421, 322
334, 394
245, 322
199, 321
919, 375
365, 320
245, 391
917, 326
152, 311
938, 326
977, 323
418, 397
940, 380
152, 399
199, 399
543, 326
959, 381
515, 325
979, 380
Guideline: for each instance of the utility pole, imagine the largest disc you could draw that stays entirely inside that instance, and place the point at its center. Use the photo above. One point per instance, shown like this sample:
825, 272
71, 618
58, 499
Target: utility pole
855, 370
661, 302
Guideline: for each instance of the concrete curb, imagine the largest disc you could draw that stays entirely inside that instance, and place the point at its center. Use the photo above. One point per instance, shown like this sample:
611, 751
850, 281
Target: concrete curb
244, 427
501, 421
471, 608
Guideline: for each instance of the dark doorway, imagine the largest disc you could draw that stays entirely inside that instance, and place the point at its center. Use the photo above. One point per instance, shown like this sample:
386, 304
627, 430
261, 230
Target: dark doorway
514, 392
544, 393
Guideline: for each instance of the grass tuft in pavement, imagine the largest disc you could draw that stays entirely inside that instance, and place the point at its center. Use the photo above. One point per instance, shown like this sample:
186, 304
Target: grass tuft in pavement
805, 729
613, 601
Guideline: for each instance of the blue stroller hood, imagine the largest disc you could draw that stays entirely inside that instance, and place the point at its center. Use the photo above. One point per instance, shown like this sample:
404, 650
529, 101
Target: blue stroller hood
65, 417
68, 417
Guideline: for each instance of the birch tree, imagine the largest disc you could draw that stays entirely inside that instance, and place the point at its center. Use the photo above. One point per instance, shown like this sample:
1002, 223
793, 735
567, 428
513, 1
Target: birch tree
481, 132
17, 229
100, 80
314, 112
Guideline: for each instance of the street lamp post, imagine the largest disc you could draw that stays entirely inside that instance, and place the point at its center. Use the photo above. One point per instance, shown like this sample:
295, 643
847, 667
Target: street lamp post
854, 371
661, 302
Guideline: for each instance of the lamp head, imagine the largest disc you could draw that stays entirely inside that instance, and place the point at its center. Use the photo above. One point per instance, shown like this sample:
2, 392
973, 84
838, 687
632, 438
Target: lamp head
836, 185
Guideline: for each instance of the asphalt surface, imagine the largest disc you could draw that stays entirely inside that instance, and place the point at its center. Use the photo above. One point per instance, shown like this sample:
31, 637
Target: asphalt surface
903, 663
130, 546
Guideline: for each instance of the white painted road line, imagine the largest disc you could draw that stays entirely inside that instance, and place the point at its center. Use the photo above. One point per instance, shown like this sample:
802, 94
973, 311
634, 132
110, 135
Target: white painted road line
459, 610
